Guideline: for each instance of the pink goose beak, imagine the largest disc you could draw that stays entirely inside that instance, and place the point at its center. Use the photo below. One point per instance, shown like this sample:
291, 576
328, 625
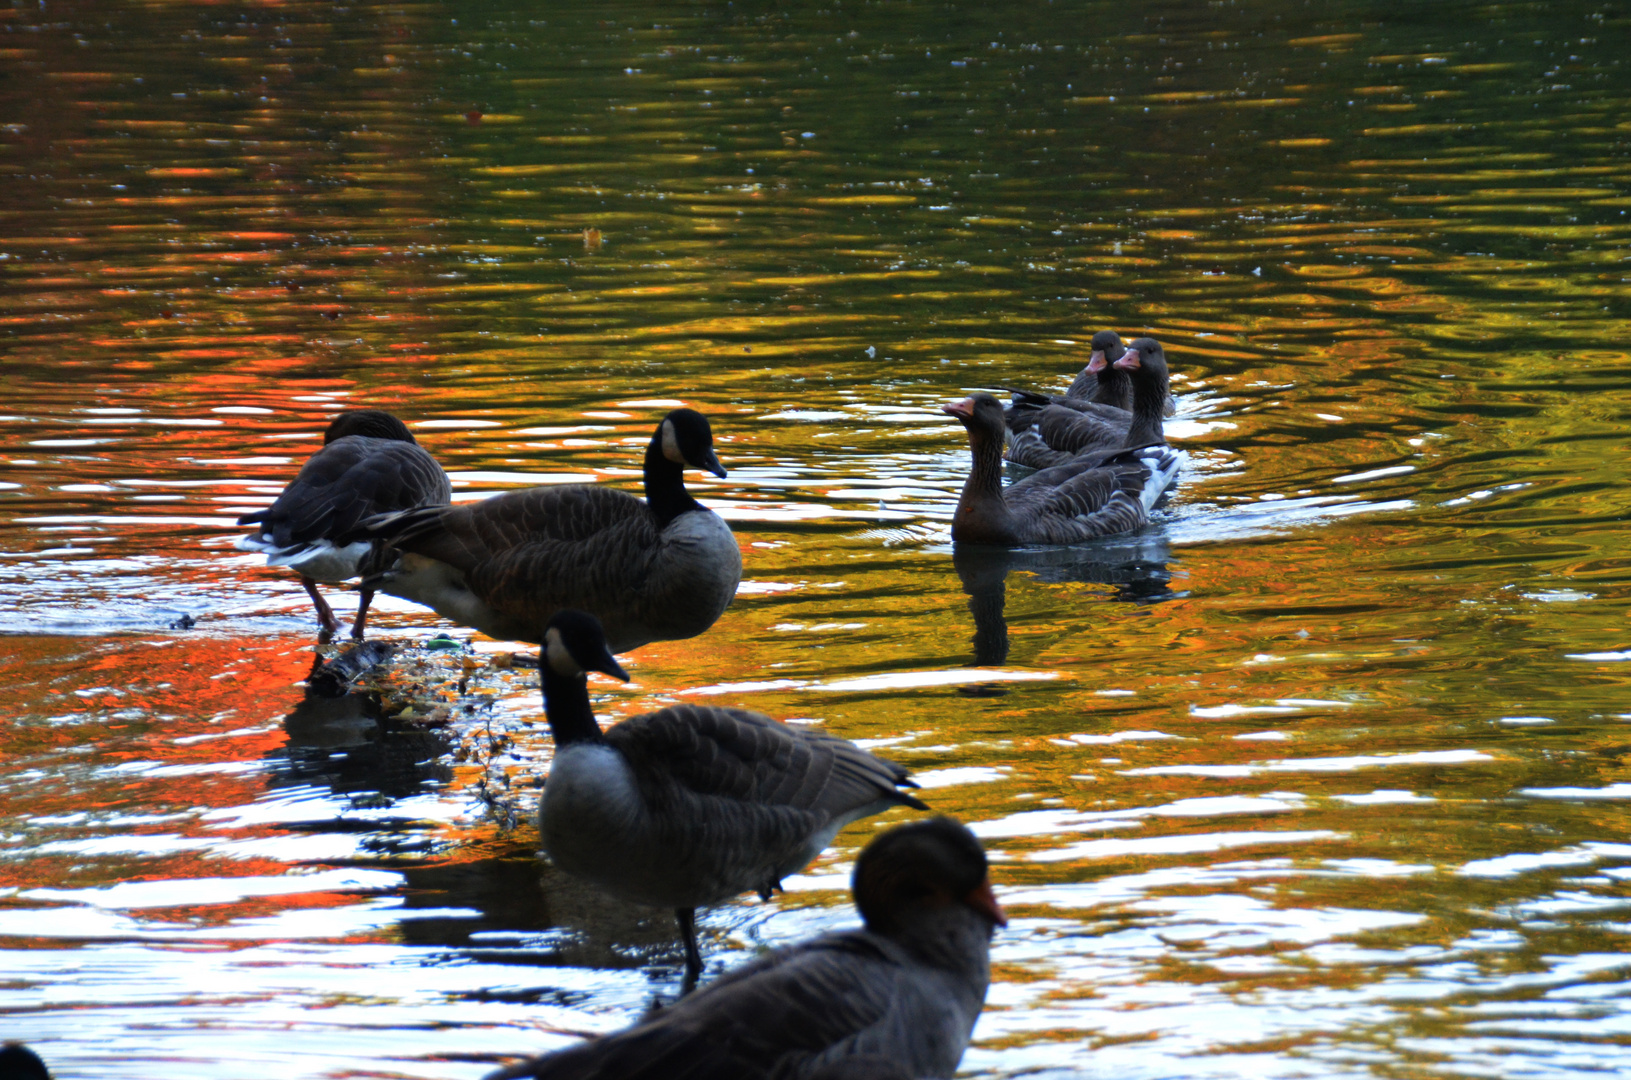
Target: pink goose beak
983, 900
1129, 361
1096, 362
963, 410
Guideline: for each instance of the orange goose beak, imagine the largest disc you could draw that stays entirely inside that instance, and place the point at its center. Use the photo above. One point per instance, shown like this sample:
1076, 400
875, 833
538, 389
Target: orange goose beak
983, 900
963, 410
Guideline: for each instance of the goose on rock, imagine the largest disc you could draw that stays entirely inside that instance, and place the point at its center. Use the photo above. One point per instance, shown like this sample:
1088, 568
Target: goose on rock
369, 464
895, 1000
690, 805
656, 569
1086, 496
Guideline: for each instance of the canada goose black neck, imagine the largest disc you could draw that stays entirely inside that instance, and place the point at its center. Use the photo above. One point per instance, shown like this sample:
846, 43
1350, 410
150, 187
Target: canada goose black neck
566, 705
665, 484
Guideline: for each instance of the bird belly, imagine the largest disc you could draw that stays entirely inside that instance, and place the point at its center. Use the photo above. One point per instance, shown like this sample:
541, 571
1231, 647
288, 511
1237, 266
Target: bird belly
442, 588
702, 567
593, 823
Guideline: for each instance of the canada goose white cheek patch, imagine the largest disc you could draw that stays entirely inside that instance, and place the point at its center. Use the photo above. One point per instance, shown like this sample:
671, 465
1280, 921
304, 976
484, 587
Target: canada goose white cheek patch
671, 444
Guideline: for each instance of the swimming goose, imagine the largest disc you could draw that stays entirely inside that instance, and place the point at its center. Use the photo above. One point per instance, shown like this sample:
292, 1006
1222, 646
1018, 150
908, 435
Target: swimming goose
1087, 496
654, 570
895, 1000
1094, 414
369, 464
690, 805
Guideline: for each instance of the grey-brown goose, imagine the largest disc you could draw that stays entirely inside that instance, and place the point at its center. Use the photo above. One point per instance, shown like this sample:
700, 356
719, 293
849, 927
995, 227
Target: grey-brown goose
1093, 415
656, 569
1088, 496
690, 805
369, 464
897, 999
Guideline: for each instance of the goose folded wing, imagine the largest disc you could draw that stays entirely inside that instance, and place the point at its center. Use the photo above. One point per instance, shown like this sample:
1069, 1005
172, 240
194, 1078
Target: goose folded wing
749, 757
764, 1017
350, 480
1066, 504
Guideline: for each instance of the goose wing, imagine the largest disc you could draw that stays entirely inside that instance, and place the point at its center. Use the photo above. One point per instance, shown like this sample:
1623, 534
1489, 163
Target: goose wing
348, 481
1094, 495
1054, 434
833, 997
750, 758
503, 529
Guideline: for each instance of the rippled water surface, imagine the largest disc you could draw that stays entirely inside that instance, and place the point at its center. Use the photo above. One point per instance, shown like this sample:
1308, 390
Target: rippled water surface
1325, 774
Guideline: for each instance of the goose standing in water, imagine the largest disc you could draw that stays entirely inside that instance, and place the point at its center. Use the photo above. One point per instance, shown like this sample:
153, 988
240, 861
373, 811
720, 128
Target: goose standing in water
657, 569
369, 464
690, 805
897, 999
1089, 495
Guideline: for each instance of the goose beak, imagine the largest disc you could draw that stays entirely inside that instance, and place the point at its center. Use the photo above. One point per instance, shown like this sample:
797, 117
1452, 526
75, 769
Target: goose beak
607, 664
1096, 363
1129, 361
983, 900
710, 462
963, 410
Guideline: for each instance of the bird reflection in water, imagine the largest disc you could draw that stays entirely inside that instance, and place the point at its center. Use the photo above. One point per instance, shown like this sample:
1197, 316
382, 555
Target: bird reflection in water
343, 738
1135, 564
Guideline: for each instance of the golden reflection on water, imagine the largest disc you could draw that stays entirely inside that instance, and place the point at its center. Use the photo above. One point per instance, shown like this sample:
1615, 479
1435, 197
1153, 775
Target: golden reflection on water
1324, 774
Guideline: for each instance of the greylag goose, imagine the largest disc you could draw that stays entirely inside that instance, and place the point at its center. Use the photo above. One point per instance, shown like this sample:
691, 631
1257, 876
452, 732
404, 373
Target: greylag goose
897, 999
690, 805
657, 569
369, 464
1089, 495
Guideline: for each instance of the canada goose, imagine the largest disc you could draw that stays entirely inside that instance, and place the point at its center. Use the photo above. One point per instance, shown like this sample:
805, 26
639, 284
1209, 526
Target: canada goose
369, 464
657, 569
690, 805
1088, 495
896, 1000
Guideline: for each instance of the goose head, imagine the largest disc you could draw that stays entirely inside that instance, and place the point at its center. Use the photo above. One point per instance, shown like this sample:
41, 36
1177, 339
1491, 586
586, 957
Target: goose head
574, 643
371, 423
980, 413
687, 439
925, 866
1145, 360
1107, 349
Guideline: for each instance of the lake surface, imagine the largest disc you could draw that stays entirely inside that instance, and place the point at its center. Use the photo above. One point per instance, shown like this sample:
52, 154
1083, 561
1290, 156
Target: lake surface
1325, 774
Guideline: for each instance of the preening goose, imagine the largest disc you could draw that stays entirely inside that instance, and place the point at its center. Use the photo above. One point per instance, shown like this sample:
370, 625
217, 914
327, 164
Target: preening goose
657, 569
369, 464
895, 1000
690, 805
1087, 496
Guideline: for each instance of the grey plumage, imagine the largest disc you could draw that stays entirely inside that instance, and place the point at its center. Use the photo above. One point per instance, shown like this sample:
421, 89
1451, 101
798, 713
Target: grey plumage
369, 464
690, 805
661, 568
1086, 496
896, 999
1093, 415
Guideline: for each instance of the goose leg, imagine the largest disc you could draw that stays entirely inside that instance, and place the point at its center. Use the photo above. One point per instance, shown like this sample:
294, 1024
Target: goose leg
362, 614
693, 955
325, 614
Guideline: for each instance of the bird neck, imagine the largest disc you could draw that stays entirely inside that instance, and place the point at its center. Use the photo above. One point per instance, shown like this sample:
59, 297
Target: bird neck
982, 514
951, 937
1114, 388
566, 704
665, 484
1149, 403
